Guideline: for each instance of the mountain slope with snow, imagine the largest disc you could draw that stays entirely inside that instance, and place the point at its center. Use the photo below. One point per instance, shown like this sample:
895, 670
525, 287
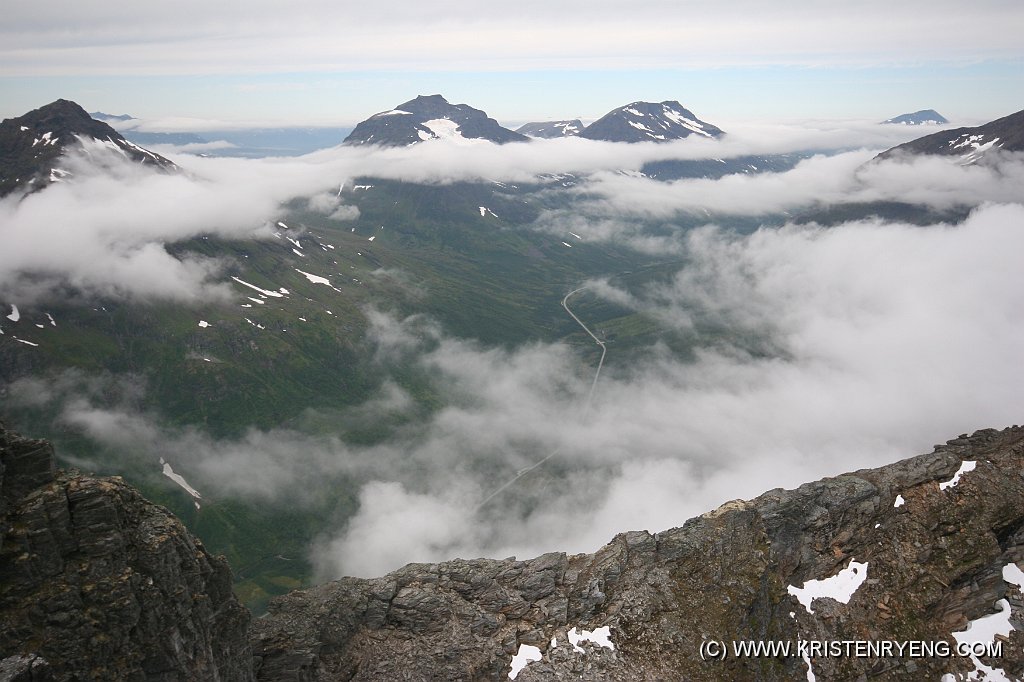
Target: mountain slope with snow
32, 146
550, 129
970, 144
430, 117
649, 122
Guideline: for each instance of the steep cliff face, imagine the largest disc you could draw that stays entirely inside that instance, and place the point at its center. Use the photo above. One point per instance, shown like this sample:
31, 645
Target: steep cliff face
916, 557
98, 583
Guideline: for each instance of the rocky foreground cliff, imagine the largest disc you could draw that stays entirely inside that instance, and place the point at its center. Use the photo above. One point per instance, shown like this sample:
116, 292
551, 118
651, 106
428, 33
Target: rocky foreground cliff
96, 583
924, 560
878, 574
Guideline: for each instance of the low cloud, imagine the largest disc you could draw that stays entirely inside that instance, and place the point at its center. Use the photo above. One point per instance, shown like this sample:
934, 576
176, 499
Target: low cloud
835, 348
886, 338
849, 177
104, 231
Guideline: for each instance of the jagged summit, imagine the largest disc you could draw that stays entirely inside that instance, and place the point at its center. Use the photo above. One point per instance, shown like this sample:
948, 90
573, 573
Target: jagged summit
970, 144
550, 129
31, 146
649, 122
917, 118
430, 117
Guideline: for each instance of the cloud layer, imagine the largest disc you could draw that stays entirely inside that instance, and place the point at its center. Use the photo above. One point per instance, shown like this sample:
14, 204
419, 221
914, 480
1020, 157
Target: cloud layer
887, 338
876, 339
95, 37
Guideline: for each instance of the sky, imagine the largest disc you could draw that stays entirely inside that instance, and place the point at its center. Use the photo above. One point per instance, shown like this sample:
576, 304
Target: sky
329, 62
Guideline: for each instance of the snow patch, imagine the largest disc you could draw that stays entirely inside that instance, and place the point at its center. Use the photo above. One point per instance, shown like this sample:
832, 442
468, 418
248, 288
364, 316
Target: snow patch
179, 479
443, 128
204, 324
315, 279
966, 466
256, 288
1013, 575
840, 587
899, 502
602, 636
14, 315
526, 654
986, 629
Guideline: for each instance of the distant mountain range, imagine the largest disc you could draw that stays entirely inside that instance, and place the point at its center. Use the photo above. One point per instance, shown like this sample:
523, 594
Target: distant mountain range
923, 117
433, 117
31, 146
970, 144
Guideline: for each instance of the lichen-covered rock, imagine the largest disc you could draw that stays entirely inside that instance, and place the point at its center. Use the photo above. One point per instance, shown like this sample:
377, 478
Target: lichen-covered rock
933, 563
97, 583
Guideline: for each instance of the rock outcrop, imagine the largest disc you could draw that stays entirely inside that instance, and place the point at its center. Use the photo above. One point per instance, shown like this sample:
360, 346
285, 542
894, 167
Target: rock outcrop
878, 574
96, 583
920, 561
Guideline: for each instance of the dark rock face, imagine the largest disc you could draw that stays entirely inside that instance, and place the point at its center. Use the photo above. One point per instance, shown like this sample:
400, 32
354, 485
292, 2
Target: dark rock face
969, 144
649, 122
31, 146
417, 120
917, 118
98, 583
934, 560
551, 129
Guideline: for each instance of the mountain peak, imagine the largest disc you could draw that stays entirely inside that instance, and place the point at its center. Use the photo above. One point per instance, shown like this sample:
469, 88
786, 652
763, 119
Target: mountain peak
430, 117
923, 117
649, 122
426, 100
32, 145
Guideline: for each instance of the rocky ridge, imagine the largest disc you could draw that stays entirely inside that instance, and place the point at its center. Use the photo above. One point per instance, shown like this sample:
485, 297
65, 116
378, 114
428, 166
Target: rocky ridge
98, 583
933, 559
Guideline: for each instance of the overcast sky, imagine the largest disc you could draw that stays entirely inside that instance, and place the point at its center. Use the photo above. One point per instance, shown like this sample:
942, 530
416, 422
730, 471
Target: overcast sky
337, 62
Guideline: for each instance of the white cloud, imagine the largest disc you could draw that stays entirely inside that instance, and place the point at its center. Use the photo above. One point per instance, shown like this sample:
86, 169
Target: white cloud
883, 339
102, 37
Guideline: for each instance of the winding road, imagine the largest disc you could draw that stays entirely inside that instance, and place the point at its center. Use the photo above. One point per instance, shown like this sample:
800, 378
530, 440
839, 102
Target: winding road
604, 349
586, 408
